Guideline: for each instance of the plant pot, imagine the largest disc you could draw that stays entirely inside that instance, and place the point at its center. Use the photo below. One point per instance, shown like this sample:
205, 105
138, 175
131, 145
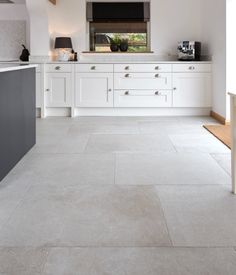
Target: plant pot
124, 46
114, 48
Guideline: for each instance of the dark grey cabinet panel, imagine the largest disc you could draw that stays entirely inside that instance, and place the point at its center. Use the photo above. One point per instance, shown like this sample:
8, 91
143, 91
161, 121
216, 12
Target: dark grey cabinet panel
17, 117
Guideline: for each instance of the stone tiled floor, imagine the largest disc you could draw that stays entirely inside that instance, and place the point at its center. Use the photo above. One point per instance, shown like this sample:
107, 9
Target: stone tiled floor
120, 196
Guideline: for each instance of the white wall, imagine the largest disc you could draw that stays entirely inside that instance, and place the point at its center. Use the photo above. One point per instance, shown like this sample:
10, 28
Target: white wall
214, 34
12, 37
231, 46
39, 34
171, 21
15, 12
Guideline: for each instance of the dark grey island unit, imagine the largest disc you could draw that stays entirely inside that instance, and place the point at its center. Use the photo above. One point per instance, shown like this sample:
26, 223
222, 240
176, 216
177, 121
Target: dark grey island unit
17, 115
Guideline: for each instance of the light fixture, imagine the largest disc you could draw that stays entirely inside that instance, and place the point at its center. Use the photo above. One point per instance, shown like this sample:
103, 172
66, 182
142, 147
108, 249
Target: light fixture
64, 45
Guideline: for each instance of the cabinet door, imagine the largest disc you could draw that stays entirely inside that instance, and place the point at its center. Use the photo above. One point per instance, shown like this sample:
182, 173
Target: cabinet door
58, 90
38, 91
94, 90
192, 90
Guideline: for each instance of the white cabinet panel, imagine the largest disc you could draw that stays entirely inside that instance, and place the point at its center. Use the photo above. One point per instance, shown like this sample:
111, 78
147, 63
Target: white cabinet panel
94, 68
192, 90
141, 98
94, 90
143, 81
192, 67
142, 68
58, 90
58, 67
38, 90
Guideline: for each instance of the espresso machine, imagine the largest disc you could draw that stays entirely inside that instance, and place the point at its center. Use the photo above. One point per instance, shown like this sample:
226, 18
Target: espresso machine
189, 51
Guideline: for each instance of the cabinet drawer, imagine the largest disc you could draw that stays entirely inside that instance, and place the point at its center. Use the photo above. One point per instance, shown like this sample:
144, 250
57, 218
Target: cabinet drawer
96, 68
142, 98
52, 68
137, 68
192, 67
142, 81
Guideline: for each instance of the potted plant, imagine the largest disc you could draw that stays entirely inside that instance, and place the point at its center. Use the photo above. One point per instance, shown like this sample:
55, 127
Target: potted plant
124, 45
115, 44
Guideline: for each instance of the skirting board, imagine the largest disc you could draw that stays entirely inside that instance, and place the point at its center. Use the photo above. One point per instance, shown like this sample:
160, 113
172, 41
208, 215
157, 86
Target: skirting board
58, 112
219, 118
67, 112
142, 111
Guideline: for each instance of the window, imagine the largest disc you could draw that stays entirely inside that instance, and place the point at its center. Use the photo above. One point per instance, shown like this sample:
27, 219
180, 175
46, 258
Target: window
103, 34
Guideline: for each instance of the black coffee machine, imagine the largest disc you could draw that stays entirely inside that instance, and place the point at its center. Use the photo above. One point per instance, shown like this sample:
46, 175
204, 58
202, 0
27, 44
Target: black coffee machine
189, 51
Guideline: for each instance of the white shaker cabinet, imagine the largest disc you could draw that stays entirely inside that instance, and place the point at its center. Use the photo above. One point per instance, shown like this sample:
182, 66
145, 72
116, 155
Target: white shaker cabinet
38, 90
94, 89
192, 90
58, 91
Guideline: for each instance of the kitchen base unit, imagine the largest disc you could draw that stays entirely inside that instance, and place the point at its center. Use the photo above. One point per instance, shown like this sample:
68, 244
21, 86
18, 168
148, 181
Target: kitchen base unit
17, 115
124, 89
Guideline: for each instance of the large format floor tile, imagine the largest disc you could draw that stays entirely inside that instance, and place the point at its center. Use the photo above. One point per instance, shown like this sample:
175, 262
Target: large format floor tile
104, 128
168, 168
140, 261
199, 215
197, 143
224, 161
68, 169
12, 191
50, 129
87, 216
118, 196
172, 127
127, 143
22, 261
66, 144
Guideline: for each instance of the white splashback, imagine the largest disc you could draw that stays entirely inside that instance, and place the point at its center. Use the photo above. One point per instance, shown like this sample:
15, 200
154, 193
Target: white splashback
12, 36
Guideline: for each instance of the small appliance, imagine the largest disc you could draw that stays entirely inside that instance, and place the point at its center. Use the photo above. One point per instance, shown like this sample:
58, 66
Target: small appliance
189, 51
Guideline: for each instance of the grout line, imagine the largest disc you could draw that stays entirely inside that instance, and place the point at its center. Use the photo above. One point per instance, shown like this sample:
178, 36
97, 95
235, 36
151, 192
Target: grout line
163, 213
120, 247
115, 164
212, 156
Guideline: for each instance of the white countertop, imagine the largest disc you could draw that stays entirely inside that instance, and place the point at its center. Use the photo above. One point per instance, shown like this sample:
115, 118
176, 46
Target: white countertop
111, 62
98, 58
7, 67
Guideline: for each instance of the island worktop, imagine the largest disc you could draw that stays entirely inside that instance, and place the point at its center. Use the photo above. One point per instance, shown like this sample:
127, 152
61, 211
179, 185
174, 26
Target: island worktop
17, 114
8, 66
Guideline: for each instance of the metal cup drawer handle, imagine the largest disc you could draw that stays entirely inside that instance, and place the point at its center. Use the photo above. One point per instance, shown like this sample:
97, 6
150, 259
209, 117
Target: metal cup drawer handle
191, 68
127, 93
157, 75
157, 93
127, 68
157, 68
127, 75
93, 68
57, 68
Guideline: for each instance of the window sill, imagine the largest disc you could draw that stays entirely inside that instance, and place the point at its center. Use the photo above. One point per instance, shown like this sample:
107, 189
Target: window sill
90, 52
